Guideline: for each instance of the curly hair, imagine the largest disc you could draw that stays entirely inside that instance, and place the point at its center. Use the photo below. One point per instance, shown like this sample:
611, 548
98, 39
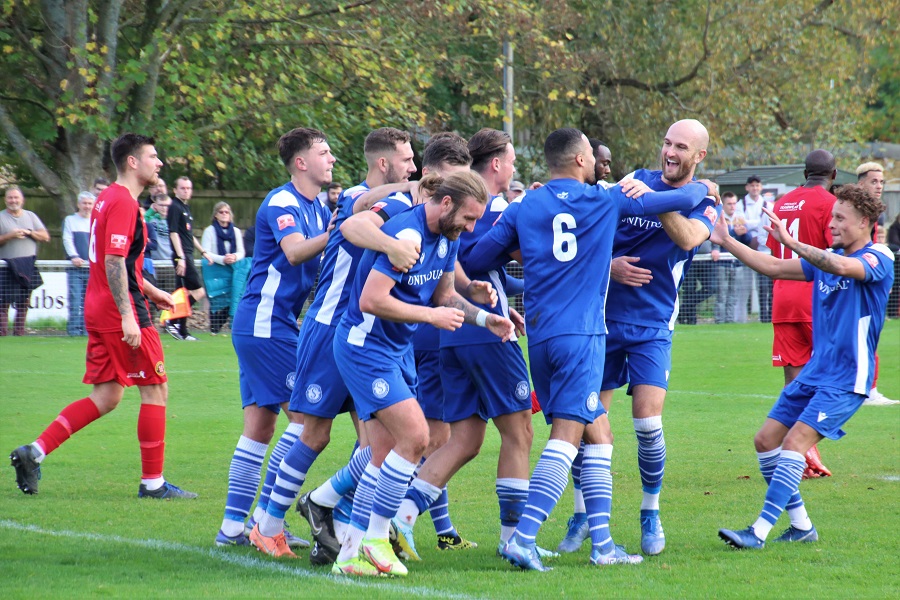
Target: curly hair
865, 203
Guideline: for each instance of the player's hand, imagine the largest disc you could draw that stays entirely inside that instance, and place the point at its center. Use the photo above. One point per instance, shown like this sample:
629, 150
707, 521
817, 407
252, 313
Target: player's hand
181, 268
535, 185
403, 254
417, 197
482, 292
502, 327
444, 317
713, 189
623, 271
719, 233
517, 320
161, 299
633, 188
331, 221
776, 227
131, 331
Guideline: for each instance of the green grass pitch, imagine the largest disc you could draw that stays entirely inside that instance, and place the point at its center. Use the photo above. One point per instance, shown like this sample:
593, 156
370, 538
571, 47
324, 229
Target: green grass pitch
87, 535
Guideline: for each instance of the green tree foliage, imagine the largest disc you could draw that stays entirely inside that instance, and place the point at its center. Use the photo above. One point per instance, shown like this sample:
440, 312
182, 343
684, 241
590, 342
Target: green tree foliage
217, 81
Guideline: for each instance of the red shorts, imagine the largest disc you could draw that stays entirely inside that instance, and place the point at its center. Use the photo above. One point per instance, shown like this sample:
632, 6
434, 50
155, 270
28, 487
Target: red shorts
792, 344
110, 359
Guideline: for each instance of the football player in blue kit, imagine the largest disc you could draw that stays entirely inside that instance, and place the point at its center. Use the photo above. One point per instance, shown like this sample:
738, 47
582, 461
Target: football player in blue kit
650, 257
322, 391
373, 350
850, 290
482, 378
319, 394
291, 232
562, 233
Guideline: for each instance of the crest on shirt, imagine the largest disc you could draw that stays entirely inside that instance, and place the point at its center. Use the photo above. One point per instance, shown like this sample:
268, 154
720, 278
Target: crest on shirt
118, 241
592, 401
290, 380
871, 259
285, 221
710, 213
522, 390
313, 393
442, 248
380, 388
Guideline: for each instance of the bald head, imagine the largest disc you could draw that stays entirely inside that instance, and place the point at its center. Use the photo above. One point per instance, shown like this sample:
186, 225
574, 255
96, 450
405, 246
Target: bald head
694, 130
819, 163
684, 147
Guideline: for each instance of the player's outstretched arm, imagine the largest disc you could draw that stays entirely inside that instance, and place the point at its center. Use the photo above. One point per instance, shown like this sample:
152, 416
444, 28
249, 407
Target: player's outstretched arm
364, 231
445, 295
117, 277
298, 249
368, 199
161, 299
822, 259
766, 264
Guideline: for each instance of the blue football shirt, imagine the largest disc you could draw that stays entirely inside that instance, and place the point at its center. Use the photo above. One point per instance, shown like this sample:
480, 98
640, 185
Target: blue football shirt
654, 304
438, 255
275, 290
847, 319
342, 258
565, 232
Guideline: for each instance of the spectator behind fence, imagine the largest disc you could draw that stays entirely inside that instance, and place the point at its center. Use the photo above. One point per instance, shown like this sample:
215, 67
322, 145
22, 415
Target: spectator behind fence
749, 212
893, 242
764, 284
224, 246
156, 221
728, 272
516, 189
76, 235
20, 230
699, 284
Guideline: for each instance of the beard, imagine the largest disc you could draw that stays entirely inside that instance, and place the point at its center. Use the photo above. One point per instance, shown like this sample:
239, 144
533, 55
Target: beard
394, 176
151, 180
447, 228
681, 172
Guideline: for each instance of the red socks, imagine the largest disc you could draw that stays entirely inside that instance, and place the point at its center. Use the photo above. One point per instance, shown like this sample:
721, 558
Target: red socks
151, 432
74, 417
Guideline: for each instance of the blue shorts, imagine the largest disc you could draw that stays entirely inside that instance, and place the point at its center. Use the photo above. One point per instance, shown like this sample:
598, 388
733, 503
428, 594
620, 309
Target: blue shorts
567, 371
825, 409
430, 393
637, 355
320, 389
375, 378
487, 380
265, 370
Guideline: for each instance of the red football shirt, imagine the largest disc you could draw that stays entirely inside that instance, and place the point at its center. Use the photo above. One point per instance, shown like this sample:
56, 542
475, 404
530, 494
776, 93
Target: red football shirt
118, 229
806, 213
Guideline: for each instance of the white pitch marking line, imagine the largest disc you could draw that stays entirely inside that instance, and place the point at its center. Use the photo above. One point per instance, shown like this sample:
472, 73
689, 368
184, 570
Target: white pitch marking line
239, 560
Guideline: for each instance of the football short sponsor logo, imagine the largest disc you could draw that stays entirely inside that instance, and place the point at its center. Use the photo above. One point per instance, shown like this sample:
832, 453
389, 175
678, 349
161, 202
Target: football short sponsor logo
870, 258
118, 241
592, 401
160, 368
138, 375
313, 393
290, 379
522, 390
442, 248
711, 214
285, 221
380, 388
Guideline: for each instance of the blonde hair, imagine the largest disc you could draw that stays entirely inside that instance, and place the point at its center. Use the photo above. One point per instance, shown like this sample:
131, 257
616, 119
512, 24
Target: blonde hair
868, 167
